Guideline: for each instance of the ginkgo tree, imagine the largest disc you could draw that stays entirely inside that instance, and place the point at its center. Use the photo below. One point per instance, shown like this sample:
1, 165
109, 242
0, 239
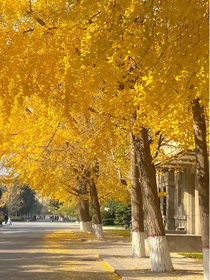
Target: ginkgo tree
172, 66
67, 84
147, 59
58, 160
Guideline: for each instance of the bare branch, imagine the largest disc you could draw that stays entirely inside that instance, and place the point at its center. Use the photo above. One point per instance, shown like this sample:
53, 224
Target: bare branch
93, 110
124, 182
29, 30
75, 194
51, 139
90, 20
160, 140
30, 6
28, 111
40, 21
77, 191
104, 196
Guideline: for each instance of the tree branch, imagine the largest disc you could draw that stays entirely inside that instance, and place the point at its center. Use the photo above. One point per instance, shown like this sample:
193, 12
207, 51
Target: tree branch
160, 140
75, 194
51, 139
29, 30
123, 181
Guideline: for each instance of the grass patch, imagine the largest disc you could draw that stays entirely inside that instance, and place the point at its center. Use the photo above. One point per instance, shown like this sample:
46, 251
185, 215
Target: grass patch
198, 256
120, 232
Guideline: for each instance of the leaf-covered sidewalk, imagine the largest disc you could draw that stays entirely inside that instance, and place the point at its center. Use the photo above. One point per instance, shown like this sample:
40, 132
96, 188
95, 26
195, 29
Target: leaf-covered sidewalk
128, 268
49, 255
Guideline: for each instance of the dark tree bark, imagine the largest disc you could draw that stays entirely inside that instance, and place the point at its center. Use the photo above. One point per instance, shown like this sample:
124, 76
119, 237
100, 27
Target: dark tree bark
159, 252
85, 220
202, 174
84, 211
95, 203
147, 172
138, 244
98, 230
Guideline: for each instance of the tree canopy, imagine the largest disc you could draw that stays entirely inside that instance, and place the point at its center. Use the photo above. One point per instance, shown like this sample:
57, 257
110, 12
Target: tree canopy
73, 74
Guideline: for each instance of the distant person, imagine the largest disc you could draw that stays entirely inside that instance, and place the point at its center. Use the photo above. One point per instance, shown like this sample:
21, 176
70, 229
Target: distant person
6, 218
9, 221
126, 224
34, 218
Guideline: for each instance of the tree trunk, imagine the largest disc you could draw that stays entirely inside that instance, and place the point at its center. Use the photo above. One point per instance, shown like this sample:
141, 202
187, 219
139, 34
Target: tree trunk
159, 253
85, 221
98, 229
202, 172
84, 215
138, 244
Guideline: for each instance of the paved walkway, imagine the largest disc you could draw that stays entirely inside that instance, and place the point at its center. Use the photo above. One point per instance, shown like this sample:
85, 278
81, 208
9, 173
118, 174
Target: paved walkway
120, 261
62, 252
47, 252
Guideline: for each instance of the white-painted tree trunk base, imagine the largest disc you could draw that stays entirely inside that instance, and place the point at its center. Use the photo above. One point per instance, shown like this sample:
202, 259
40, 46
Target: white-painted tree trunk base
138, 245
81, 224
88, 227
160, 258
206, 263
98, 231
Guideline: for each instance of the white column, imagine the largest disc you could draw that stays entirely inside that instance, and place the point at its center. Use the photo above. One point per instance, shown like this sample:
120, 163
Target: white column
197, 211
189, 201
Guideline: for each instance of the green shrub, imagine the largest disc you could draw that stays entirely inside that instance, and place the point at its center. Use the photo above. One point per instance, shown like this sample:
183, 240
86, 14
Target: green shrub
14, 219
17, 219
115, 213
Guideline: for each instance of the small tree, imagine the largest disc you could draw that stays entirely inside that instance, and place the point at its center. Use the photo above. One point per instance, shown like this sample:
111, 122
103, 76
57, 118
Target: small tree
122, 213
36, 207
28, 197
115, 213
13, 199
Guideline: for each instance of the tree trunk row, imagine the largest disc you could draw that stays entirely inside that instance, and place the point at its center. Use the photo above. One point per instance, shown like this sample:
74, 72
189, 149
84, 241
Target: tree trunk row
158, 248
202, 174
86, 183
143, 192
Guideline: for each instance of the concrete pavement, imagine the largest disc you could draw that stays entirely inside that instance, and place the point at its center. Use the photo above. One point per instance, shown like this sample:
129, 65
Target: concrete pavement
129, 268
52, 251
48, 251
120, 261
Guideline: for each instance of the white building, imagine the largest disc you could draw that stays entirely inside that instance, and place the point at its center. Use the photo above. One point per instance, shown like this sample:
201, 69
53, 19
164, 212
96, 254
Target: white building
180, 207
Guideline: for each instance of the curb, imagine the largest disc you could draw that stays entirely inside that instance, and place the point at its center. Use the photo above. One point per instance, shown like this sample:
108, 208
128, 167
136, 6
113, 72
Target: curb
116, 271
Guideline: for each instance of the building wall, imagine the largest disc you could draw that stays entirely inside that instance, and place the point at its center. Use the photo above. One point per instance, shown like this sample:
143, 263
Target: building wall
167, 203
180, 207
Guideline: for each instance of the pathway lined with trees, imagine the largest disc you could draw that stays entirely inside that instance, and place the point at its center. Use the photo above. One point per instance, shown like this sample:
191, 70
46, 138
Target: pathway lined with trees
46, 250
93, 93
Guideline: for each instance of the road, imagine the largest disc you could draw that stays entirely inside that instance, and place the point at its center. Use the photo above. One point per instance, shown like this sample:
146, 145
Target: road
48, 251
